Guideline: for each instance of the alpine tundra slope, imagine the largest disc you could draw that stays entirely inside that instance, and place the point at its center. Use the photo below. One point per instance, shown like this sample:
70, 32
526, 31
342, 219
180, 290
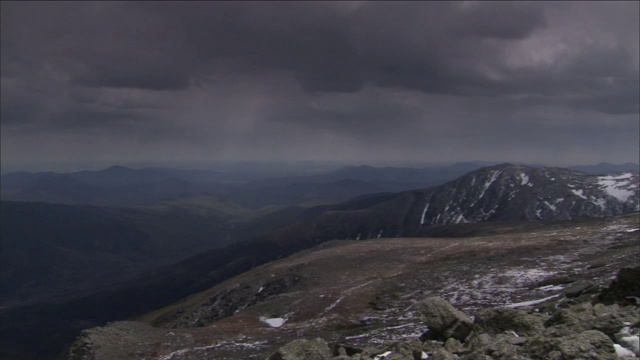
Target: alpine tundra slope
367, 297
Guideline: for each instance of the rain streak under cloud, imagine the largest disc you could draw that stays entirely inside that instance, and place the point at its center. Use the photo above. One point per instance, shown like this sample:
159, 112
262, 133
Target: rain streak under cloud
102, 82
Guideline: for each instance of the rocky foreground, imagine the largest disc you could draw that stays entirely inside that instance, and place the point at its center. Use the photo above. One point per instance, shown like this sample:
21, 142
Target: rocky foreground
516, 291
578, 326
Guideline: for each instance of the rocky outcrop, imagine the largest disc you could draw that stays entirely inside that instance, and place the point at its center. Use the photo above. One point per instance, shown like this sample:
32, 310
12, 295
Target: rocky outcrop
505, 320
316, 349
444, 321
626, 287
571, 328
228, 301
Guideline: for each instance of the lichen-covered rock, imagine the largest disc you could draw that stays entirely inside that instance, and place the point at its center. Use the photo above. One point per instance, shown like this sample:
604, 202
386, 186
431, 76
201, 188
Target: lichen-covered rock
344, 349
477, 356
453, 345
442, 354
505, 348
625, 288
567, 317
479, 341
444, 321
587, 345
590, 344
409, 348
500, 320
303, 349
500, 347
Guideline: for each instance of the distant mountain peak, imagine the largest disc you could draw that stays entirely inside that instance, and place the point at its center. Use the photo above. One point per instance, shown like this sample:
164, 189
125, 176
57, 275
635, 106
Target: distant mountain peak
118, 168
509, 192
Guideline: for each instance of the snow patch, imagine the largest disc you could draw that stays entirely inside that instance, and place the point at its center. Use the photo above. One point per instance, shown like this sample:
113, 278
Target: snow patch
623, 352
632, 342
619, 187
524, 179
273, 322
527, 275
493, 289
383, 355
579, 193
602, 203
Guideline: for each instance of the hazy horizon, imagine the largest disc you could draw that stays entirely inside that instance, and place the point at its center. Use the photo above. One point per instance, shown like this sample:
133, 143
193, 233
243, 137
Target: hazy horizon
275, 167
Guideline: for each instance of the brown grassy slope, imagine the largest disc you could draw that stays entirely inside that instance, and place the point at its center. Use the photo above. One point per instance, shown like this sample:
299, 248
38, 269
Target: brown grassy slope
366, 292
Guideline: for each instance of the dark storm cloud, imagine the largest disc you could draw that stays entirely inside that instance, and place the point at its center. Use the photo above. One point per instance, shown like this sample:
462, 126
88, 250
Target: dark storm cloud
162, 46
394, 73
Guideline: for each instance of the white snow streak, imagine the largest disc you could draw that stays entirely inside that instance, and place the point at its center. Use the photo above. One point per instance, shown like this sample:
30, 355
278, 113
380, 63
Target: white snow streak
532, 302
579, 192
382, 356
551, 206
344, 294
551, 287
494, 176
424, 212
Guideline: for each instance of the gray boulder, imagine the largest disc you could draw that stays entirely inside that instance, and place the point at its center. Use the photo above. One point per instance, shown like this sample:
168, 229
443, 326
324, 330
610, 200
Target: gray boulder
587, 345
500, 347
442, 354
590, 344
444, 321
499, 320
626, 287
579, 288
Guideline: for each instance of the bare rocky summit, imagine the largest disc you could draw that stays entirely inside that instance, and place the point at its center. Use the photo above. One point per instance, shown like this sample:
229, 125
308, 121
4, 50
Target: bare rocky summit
510, 293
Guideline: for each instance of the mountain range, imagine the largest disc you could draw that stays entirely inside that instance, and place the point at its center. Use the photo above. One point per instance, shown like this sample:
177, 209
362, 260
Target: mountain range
122, 186
142, 257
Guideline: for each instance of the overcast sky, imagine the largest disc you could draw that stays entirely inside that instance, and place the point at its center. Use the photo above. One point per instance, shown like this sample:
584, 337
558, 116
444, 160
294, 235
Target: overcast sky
363, 82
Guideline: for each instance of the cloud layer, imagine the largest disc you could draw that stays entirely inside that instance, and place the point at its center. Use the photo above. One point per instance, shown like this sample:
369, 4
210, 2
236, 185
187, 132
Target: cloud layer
353, 81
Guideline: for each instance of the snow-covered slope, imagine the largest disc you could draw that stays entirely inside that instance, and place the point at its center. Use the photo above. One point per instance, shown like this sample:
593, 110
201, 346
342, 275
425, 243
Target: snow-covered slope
501, 193
510, 193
